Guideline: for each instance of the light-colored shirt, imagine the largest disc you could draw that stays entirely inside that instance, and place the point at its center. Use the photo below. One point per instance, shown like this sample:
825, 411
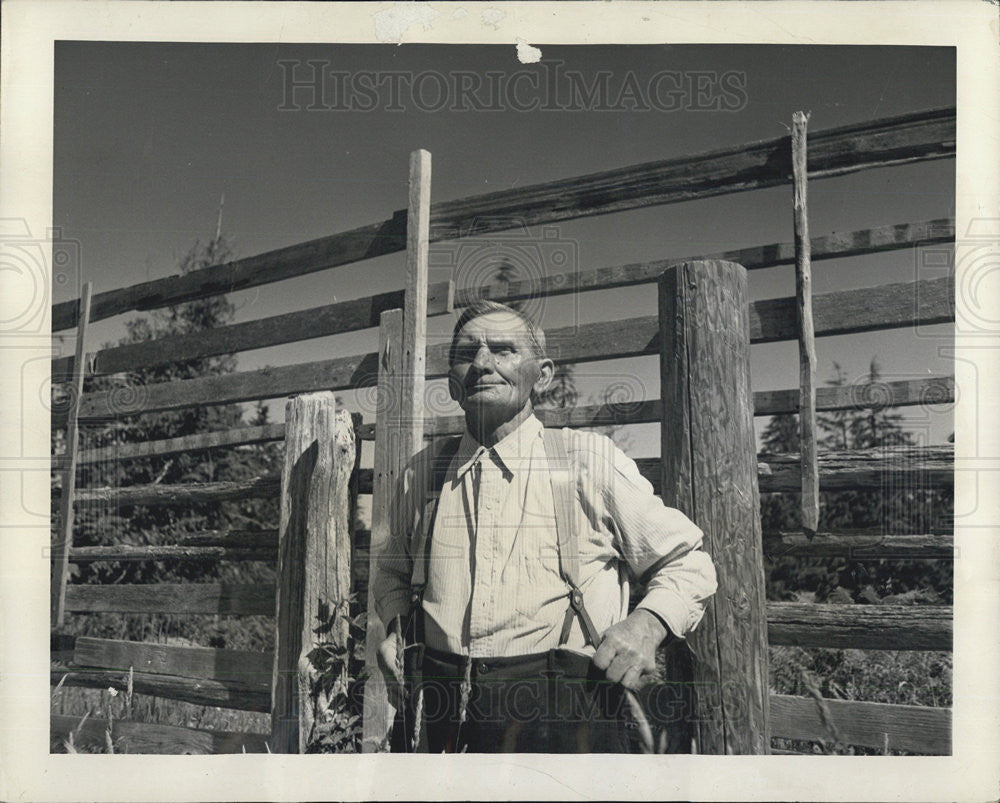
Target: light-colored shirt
494, 586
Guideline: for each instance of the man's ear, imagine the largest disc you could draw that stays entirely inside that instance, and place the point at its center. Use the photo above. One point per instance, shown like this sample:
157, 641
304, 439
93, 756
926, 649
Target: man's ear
546, 370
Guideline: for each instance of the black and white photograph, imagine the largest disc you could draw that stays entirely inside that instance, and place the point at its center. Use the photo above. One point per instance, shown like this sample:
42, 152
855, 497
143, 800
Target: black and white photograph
428, 379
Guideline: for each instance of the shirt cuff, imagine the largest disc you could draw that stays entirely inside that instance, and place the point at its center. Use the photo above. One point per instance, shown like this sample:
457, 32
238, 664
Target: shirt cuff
668, 605
393, 605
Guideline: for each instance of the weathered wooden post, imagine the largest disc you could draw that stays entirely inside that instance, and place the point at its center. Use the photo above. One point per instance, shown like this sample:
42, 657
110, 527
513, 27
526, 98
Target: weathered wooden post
314, 558
399, 419
708, 452
64, 535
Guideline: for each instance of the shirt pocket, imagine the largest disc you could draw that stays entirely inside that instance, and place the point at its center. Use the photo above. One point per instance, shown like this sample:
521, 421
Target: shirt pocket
539, 582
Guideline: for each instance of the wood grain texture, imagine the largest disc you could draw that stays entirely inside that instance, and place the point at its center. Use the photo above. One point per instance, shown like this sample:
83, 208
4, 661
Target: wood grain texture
266, 487
232, 539
930, 466
330, 319
414, 339
709, 472
252, 669
897, 140
831, 246
871, 469
809, 497
897, 393
852, 469
928, 546
363, 313
867, 309
238, 436
224, 599
387, 474
364, 242
63, 542
144, 738
314, 563
860, 627
126, 552
200, 691
916, 729
925, 302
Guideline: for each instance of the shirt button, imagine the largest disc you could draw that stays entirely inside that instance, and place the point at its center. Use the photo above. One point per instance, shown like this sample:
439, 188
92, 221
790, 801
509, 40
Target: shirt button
483, 668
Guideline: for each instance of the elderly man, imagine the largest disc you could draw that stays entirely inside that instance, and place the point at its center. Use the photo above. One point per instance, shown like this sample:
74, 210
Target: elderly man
508, 568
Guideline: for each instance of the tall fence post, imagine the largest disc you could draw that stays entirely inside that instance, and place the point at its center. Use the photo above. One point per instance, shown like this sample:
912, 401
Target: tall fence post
399, 418
809, 503
314, 558
387, 470
708, 452
64, 535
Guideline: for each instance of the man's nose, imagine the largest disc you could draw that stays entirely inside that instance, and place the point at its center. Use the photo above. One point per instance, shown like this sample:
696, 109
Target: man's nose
483, 360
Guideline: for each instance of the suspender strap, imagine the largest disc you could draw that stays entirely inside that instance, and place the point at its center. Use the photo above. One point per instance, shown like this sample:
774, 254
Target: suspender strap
565, 501
420, 545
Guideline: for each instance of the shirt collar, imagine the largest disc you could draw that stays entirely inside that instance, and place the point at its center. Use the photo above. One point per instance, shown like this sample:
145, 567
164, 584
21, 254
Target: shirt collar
516, 445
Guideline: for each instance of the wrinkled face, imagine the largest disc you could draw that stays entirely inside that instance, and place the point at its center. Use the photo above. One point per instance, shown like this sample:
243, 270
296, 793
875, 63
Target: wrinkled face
495, 367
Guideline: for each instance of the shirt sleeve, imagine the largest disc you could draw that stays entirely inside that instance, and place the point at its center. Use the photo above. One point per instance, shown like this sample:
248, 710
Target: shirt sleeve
661, 546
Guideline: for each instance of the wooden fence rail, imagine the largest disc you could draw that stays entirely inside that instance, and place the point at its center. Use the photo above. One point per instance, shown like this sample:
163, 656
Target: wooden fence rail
223, 599
362, 313
199, 691
860, 627
897, 140
926, 302
854, 545
897, 393
913, 728
143, 737
838, 470
916, 729
331, 319
873, 627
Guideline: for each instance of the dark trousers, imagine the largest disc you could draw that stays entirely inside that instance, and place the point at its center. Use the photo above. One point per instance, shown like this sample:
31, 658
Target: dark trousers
551, 702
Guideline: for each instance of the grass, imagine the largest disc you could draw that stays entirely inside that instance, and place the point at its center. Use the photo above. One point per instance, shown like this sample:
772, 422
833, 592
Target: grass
877, 676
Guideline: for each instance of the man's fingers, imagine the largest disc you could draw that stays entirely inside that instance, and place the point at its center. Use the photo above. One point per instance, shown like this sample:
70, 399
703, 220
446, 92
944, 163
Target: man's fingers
605, 654
386, 655
619, 666
631, 678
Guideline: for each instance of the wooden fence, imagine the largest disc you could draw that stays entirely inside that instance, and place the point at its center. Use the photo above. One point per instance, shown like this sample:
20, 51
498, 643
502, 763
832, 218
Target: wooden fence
322, 448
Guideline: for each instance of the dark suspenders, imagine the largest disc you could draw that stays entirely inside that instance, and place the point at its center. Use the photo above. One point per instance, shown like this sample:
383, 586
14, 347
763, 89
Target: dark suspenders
566, 504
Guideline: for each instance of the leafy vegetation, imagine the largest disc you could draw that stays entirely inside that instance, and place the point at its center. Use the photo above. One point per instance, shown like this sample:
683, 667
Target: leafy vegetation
914, 678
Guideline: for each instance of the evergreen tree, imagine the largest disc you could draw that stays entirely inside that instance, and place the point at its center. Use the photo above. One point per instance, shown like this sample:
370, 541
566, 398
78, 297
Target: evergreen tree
150, 525
889, 509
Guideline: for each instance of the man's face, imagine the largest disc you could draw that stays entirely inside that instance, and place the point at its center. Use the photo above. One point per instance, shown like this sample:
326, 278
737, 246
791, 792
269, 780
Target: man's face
495, 367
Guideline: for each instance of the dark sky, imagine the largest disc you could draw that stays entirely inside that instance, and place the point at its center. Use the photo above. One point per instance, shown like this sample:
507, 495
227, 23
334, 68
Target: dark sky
148, 136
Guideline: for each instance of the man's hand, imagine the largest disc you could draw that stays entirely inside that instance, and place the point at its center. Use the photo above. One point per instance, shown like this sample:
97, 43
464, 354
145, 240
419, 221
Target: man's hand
628, 649
388, 652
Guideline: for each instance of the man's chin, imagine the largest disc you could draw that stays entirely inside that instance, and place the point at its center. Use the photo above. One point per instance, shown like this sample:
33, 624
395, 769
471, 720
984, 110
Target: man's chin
491, 400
